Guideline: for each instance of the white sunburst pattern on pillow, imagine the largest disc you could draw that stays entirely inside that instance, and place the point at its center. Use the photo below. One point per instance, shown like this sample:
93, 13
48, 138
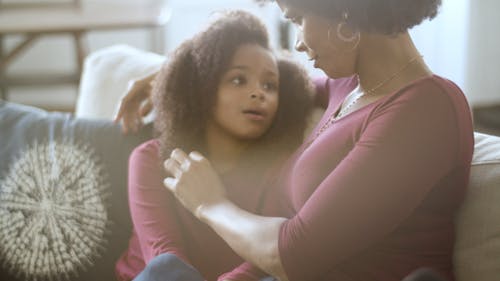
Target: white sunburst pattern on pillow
53, 214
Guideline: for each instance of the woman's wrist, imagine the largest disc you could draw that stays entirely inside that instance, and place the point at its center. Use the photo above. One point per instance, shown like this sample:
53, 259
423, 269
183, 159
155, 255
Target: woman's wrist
208, 211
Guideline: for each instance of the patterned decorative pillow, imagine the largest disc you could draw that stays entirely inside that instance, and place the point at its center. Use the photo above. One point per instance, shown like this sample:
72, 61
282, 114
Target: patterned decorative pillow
63, 195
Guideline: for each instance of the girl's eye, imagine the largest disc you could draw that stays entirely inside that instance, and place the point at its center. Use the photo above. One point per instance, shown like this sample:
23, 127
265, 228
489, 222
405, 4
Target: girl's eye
238, 80
270, 86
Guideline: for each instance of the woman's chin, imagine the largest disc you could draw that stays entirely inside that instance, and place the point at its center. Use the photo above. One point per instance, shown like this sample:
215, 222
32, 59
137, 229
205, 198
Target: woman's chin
335, 74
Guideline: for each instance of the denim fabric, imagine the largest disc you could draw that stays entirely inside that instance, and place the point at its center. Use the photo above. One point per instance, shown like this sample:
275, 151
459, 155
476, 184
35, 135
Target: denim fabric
168, 267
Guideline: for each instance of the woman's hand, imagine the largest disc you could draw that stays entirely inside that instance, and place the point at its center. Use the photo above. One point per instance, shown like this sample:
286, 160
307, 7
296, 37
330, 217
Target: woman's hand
195, 182
197, 186
135, 104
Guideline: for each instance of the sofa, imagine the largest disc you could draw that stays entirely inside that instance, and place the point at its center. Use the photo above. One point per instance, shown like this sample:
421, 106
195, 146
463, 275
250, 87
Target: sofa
63, 182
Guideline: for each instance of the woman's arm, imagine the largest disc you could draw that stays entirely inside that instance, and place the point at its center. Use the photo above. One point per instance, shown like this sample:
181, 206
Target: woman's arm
198, 187
136, 103
254, 238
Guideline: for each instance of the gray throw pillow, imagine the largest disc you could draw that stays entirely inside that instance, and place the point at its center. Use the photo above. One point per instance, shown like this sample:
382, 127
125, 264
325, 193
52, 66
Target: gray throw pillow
63, 195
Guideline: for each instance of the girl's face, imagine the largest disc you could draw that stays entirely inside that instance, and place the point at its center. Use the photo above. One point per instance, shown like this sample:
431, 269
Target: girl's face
317, 37
248, 94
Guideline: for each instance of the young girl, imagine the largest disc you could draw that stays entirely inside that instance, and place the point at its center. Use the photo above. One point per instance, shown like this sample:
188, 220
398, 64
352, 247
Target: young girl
223, 93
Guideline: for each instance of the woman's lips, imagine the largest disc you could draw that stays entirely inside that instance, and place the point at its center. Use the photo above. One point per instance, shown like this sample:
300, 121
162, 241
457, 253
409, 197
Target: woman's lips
316, 65
315, 59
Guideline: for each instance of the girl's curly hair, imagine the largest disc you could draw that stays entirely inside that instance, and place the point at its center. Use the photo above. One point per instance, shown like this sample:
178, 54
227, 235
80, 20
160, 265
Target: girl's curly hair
185, 89
378, 16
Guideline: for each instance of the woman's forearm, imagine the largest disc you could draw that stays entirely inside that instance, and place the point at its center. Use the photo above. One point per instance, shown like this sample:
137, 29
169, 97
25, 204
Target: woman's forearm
253, 237
197, 186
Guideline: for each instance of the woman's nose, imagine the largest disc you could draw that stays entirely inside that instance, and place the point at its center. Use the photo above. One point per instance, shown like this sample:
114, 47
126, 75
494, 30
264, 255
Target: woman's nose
300, 46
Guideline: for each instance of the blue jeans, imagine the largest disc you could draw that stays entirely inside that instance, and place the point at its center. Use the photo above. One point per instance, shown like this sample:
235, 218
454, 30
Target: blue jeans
168, 267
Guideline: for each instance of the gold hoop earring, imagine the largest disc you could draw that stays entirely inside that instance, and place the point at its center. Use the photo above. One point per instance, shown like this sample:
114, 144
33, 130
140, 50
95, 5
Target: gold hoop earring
354, 39
344, 38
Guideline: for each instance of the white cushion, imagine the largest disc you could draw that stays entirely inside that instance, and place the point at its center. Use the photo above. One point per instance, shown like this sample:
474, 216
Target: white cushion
477, 248
106, 76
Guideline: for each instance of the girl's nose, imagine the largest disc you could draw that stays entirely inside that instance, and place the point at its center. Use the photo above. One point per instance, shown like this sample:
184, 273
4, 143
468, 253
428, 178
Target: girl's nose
257, 93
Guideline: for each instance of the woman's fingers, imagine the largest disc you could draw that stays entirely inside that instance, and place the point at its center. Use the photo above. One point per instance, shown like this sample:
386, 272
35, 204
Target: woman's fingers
130, 122
173, 167
146, 107
170, 183
182, 158
196, 156
134, 105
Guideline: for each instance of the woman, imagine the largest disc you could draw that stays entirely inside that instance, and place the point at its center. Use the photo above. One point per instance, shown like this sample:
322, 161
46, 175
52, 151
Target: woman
224, 93
373, 191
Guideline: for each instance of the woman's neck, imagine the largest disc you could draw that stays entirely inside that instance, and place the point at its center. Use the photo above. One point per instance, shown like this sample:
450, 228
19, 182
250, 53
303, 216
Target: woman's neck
224, 151
387, 63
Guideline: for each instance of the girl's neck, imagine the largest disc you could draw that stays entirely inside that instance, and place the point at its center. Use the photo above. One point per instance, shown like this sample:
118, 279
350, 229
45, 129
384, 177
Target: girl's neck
393, 61
224, 151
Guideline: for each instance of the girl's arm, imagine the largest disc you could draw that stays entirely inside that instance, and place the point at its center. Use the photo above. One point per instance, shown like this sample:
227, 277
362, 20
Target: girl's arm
244, 272
152, 207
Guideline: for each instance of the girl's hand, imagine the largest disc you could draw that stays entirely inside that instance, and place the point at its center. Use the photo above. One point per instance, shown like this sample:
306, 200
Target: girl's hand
195, 182
135, 104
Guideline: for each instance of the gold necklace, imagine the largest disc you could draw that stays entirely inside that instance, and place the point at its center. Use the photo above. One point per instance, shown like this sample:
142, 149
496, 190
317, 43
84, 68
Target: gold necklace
334, 117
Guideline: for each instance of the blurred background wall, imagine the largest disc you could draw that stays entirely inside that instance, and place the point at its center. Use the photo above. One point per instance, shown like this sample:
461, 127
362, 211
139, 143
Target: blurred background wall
462, 44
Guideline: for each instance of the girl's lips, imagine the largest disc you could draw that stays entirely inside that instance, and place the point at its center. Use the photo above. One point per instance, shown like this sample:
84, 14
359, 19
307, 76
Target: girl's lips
255, 115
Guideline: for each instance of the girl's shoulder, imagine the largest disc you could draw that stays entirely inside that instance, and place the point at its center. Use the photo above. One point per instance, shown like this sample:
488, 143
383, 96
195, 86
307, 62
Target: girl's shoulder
149, 149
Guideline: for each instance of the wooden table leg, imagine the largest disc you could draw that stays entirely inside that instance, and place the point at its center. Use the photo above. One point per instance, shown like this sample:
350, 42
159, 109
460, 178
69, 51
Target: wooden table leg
81, 49
9, 57
3, 88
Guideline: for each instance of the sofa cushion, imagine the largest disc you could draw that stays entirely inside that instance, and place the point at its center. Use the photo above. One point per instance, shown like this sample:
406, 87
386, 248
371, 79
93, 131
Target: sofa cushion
477, 248
63, 195
106, 76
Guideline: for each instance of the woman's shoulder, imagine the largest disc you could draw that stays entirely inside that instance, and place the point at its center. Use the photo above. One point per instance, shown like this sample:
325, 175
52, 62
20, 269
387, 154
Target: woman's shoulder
432, 90
436, 100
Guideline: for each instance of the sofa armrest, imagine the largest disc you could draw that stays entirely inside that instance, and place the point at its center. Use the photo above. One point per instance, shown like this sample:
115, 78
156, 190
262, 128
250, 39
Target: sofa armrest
106, 77
477, 246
